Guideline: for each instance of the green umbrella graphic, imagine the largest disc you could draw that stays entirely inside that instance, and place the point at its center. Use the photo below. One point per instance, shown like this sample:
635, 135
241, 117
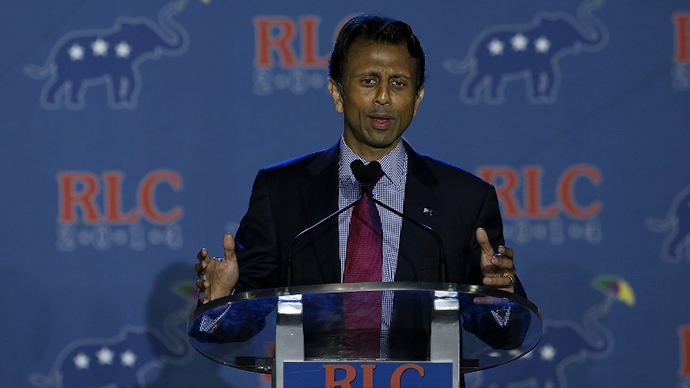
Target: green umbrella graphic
615, 288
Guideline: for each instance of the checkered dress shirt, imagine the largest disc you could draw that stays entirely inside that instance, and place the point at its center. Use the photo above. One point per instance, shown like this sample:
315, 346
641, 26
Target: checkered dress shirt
390, 189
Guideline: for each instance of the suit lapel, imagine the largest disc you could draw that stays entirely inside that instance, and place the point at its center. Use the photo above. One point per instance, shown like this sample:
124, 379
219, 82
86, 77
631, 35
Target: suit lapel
320, 199
421, 204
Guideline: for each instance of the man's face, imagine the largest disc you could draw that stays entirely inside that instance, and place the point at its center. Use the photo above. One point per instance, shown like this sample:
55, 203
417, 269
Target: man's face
378, 97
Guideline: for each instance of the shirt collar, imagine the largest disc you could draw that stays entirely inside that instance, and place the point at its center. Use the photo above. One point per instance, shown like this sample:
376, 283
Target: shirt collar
390, 164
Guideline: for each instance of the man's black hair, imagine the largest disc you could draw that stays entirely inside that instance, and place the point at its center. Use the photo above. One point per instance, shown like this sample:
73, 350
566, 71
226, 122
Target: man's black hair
376, 29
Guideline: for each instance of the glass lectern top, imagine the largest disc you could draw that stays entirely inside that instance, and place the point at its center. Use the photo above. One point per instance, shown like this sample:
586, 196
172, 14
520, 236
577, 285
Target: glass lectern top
494, 327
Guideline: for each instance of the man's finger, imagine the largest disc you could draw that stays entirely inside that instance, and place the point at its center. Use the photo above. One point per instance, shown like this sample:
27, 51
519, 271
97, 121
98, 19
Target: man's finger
501, 261
229, 247
489, 300
483, 240
499, 281
200, 285
508, 252
201, 268
202, 255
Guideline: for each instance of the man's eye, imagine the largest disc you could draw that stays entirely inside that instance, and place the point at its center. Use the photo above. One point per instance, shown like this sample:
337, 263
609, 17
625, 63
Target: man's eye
369, 81
398, 84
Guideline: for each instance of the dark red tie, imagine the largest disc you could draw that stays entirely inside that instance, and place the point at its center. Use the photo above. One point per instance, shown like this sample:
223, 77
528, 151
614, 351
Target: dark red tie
363, 263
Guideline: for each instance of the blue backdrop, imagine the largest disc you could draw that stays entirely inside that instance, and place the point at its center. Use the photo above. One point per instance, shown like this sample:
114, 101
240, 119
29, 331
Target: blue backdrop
132, 131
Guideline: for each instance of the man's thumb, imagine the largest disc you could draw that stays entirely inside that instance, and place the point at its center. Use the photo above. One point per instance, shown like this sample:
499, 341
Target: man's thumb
229, 246
483, 240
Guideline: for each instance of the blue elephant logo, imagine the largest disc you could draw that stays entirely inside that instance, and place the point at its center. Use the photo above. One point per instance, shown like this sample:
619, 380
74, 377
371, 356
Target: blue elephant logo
506, 53
565, 342
676, 225
85, 58
125, 359
119, 361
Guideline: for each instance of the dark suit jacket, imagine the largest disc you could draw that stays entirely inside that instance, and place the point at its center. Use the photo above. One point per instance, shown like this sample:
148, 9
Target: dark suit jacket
291, 196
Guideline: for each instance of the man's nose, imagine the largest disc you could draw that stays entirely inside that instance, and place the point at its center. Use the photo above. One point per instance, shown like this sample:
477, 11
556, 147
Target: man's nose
382, 96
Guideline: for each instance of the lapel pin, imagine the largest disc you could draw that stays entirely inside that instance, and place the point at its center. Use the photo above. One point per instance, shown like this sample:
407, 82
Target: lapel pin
428, 212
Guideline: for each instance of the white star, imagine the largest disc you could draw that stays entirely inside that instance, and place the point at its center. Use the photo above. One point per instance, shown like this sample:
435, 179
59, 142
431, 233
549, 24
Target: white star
99, 47
495, 47
105, 356
76, 52
547, 352
81, 360
542, 44
519, 42
123, 49
128, 358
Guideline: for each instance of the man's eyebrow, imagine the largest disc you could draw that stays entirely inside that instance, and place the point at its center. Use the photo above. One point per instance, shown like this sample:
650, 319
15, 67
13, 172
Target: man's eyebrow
368, 73
378, 74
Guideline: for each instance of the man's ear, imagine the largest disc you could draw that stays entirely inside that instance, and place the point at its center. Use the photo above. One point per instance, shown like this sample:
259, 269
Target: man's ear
336, 95
418, 100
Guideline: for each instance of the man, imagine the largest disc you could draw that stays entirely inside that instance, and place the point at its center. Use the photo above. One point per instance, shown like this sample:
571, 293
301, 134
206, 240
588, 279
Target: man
377, 83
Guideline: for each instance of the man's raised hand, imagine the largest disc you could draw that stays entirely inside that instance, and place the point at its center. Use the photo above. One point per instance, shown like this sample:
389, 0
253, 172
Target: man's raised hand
498, 267
217, 277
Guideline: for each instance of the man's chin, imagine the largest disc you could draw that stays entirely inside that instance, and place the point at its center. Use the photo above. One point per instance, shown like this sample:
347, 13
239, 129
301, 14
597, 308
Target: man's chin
377, 146
380, 139
383, 144
375, 141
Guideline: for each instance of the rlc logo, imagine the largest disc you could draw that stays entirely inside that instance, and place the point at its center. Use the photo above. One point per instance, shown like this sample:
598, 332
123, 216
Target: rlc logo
85, 58
505, 53
78, 194
528, 218
682, 23
368, 375
79, 190
684, 333
277, 34
681, 71
283, 65
565, 191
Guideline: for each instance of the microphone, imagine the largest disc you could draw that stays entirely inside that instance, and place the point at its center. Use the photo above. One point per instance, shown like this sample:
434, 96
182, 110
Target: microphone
365, 175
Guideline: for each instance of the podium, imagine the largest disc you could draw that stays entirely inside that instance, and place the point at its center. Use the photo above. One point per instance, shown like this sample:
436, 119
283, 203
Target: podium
430, 334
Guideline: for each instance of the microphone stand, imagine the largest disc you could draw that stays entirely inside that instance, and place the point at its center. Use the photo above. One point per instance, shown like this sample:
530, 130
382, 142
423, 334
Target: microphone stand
364, 174
288, 273
442, 266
